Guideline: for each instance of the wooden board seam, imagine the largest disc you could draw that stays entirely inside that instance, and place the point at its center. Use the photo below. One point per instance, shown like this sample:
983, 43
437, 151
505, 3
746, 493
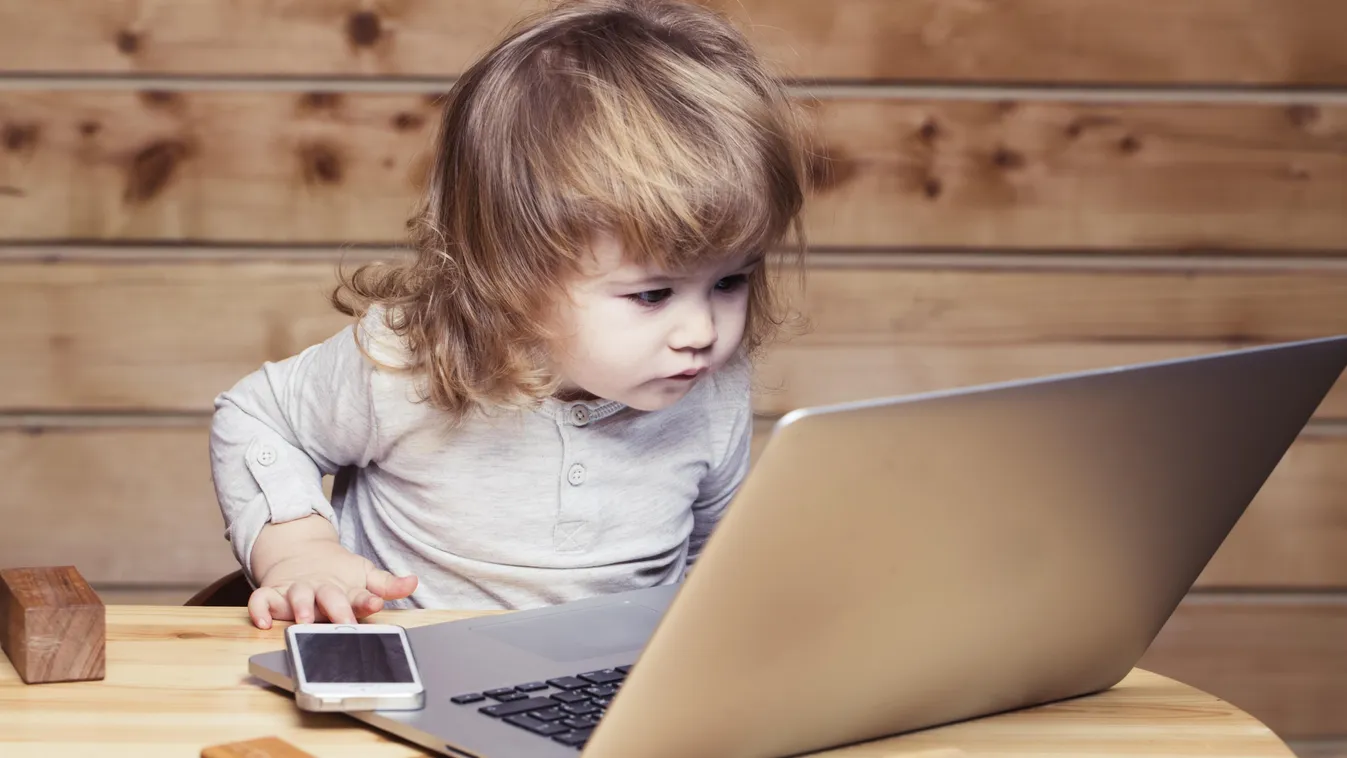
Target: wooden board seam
22, 420
40, 422
823, 90
820, 258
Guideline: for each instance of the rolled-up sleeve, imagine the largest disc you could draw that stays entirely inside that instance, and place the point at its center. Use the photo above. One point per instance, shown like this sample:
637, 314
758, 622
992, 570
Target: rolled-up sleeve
276, 433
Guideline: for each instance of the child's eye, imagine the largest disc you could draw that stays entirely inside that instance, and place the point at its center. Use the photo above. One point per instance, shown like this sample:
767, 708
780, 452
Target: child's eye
651, 297
732, 283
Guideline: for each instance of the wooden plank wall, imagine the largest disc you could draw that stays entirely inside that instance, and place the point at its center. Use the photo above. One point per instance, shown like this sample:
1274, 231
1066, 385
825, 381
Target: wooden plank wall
1013, 189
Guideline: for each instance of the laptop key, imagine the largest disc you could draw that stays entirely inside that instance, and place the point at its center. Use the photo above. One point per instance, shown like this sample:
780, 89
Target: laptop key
551, 714
580, 709
502, 710
568, 683
571, 697
604, 690
604, 677
531, 687
544, 728
581, 722
470, 697
576, 738
623, 669
506, 697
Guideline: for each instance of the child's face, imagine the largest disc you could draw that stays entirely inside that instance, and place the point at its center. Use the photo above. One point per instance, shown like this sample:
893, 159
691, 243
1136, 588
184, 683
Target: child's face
643, 337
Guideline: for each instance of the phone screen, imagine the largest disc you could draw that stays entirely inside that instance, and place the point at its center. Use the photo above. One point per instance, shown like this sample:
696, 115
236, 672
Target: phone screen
353, 658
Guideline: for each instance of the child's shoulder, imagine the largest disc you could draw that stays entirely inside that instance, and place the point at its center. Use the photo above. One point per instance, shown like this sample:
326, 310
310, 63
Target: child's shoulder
380, 342
730, 384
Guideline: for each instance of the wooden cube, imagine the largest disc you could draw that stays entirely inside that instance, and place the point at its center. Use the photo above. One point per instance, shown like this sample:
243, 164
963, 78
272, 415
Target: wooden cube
52, 625
265, 747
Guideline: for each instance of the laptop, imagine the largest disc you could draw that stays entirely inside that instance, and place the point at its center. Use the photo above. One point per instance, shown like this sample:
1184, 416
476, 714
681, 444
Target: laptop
889, 566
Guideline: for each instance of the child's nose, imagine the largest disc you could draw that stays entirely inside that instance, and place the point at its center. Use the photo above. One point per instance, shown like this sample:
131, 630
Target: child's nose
696, 330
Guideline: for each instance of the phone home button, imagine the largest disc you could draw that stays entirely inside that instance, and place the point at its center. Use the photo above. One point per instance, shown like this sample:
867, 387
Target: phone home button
345, 628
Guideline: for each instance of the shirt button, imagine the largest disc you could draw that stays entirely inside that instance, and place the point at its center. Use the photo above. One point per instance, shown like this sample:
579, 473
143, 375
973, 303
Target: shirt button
576, 476
266, 456
579, 415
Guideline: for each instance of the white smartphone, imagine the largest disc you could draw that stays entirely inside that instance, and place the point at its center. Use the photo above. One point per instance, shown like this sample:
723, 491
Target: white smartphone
361, 667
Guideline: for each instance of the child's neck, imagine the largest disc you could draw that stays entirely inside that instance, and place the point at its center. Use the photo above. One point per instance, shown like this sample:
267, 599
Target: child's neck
574, 394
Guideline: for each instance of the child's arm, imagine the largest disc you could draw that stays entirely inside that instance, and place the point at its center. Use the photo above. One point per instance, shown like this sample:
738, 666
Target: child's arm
274, 435
734, 443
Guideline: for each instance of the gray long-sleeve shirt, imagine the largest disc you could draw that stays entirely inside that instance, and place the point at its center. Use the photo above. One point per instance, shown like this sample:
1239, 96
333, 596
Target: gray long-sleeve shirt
507, 510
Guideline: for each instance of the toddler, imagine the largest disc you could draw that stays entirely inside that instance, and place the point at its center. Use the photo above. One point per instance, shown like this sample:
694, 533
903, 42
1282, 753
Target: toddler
549, 399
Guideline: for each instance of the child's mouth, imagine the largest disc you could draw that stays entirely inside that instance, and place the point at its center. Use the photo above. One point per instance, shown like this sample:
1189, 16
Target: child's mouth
688, 375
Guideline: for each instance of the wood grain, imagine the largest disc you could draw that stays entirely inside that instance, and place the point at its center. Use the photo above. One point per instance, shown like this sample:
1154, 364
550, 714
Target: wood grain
1294, 535
145, 594
874, 331
1062, 175
51, 625
141, 510
1282, 659
342, 168
201, 328
1179, 42
173, 672
170, 165
122, 505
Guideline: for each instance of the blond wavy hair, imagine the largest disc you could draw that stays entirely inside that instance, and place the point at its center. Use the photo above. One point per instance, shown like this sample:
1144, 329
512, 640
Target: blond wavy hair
652, 120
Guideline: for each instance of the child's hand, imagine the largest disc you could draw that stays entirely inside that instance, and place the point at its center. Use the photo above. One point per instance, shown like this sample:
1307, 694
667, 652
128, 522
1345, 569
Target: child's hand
315, 579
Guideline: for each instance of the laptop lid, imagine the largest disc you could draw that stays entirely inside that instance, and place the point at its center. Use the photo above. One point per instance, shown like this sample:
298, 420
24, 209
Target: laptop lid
898, 564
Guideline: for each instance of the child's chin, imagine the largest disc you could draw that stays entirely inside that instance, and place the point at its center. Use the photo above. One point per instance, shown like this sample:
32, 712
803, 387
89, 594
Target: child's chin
654, 400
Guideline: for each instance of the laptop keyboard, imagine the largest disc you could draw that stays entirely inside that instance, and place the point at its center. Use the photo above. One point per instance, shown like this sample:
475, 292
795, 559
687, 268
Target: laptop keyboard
565, 709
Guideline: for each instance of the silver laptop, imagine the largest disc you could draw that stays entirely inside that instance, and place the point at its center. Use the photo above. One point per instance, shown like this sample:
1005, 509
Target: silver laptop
893, 565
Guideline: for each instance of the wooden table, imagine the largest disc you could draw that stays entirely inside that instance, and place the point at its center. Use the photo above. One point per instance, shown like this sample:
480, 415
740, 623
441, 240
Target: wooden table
177, 681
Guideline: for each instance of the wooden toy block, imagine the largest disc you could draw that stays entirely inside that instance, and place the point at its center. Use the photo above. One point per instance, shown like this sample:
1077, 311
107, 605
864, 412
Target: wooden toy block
266, 747
52, 625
